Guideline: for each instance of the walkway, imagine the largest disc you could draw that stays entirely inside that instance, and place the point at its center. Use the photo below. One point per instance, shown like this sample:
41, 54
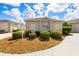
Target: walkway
5, 35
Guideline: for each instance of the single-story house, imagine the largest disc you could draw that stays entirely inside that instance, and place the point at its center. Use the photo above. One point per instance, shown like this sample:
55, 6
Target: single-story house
75, 25
43, 23
34, 24
8, 25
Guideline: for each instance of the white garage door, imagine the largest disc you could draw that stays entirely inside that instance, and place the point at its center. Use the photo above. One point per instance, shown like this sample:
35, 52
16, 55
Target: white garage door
75, 27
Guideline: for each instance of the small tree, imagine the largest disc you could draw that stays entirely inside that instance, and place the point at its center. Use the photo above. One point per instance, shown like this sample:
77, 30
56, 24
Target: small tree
66, 28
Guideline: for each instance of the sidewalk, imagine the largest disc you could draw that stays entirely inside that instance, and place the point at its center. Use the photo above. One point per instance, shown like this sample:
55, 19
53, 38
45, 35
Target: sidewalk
5, 35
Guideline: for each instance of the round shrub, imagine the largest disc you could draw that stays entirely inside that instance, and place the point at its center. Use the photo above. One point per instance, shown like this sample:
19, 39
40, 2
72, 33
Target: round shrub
27, 32
56, 34
44, 35
32, 35
16, 35
37, 33
66, 30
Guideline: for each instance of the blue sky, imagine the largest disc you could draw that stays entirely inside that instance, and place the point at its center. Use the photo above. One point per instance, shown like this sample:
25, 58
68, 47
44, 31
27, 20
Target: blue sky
60, 11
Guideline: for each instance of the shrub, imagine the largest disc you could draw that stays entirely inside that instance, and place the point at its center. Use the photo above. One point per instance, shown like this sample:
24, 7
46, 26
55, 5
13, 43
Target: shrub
16, 35
27, 32
44, 35
32, 35
66, 28
56, 34
37, 33
2, 31
15, 30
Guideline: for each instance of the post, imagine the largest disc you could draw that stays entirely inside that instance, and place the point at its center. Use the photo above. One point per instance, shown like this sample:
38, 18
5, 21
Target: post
22, 32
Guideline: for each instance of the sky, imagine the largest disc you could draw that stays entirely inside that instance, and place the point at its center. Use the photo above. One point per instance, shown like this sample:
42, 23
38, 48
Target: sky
60, 11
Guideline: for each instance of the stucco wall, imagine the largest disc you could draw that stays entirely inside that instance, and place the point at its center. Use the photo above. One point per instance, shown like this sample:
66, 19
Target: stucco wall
4, 26
44, 25
75, 27
56, 26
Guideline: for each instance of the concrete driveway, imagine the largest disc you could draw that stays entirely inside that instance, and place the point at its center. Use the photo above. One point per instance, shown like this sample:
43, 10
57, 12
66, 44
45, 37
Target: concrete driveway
5, 35
68, 47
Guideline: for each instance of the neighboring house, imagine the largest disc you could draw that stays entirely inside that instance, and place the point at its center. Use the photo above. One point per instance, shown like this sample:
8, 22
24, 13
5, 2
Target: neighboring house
44, 23
75, 25
8, 26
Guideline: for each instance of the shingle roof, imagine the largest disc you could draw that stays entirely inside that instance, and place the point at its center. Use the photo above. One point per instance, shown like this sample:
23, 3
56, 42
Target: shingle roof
74, 21
43, 19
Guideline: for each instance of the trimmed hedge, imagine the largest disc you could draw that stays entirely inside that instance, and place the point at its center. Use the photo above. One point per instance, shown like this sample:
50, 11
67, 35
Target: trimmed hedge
56, 34
44, 35
16, 35
37, 33
32, 35
27, 32
2, 31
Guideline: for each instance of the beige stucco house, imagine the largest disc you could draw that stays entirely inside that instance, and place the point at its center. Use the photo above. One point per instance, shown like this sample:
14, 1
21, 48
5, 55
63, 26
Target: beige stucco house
75, 25
43, 23
8, 26
34, 24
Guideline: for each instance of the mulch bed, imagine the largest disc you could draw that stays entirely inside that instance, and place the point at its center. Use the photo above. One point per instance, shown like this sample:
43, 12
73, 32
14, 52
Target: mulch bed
26, 46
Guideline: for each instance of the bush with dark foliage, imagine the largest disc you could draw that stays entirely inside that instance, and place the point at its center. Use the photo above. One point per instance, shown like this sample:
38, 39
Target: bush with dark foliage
32, 35
44, 35
37, 33
56, 35
27, 32
16, 35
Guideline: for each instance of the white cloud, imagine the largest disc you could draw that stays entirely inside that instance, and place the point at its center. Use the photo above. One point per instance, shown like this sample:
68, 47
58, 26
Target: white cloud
57, 7
19, 20
5, 7
69, 10
29, 12
39, 9
13, 4
6, 12
40, 14
38, 6
71, 15
15, 12
55, 17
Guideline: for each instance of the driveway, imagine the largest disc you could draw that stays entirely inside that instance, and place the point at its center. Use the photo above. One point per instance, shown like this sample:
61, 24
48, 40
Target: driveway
68, 47
5, 35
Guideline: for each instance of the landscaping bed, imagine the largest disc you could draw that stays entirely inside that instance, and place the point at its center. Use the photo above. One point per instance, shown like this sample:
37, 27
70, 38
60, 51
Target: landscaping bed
30, 41
22, 46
